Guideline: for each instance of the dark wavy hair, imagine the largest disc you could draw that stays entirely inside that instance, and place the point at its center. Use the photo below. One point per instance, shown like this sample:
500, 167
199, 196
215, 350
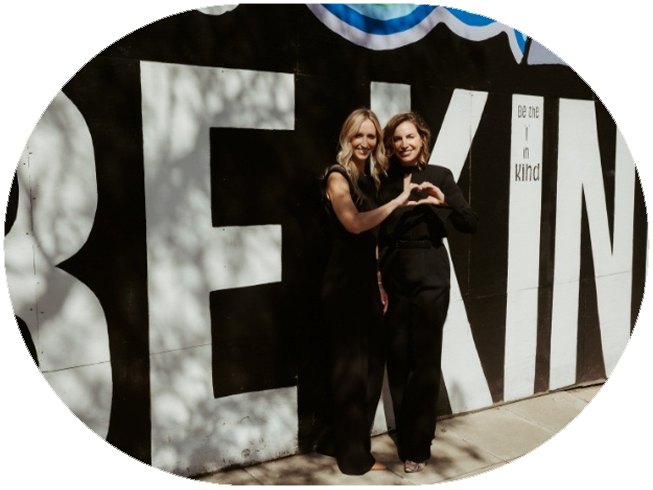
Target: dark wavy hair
422, 129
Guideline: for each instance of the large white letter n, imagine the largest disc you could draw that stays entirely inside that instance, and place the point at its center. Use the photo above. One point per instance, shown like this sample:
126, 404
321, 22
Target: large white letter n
580, 174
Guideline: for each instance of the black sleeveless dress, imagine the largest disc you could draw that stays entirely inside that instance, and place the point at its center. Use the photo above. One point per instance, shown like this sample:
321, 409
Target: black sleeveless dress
354, 328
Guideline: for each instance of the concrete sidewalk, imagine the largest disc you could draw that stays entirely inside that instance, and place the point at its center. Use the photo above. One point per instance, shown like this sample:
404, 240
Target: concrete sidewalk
465, 445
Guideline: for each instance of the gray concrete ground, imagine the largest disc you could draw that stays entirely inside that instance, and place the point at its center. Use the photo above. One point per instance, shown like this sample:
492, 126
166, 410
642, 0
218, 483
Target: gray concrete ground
465, 445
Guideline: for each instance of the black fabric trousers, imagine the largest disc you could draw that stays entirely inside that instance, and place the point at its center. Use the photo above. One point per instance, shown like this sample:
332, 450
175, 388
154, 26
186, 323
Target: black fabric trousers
415, 320
355, 332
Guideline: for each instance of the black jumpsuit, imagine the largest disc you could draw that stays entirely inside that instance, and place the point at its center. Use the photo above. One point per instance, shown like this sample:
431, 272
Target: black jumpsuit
415, 270
354, 323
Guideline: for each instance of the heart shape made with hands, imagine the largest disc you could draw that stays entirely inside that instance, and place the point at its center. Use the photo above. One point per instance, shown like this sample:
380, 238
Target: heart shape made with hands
427, 193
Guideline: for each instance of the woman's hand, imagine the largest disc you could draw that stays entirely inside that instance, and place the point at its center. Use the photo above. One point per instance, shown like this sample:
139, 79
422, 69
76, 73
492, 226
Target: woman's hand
433, 191
384, 297
435, 194
402, 199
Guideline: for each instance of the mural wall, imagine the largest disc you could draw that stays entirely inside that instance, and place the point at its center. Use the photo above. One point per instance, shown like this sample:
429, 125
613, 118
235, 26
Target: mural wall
163, 240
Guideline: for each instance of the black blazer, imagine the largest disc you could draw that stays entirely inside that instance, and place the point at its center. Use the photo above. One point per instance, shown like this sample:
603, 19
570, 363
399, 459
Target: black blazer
425, 221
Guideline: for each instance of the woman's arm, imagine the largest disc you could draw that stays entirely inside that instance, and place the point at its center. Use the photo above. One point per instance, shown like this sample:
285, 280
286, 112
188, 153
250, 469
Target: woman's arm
379, 280
354, 221
463, 218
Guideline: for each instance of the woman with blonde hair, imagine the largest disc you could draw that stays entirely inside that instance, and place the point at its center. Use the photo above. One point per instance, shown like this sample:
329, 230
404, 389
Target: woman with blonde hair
414, 264
353, 305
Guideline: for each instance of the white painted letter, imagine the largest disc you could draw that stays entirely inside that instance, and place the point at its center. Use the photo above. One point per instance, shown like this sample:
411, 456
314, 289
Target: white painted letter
56, 209
523, 246
580, 174
461, 366
188, 258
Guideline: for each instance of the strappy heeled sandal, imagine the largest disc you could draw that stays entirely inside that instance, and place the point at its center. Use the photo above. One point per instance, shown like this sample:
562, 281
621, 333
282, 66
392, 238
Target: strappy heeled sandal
413, 467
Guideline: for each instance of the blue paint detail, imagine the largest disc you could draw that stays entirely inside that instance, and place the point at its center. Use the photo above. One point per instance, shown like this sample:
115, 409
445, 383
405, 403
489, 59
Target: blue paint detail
383, 12
393, 19
470, 19
521, 40
474, 20
379, 27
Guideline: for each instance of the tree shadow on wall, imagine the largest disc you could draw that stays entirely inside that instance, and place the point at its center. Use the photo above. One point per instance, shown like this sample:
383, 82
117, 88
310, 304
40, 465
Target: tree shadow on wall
48, 218
249, 186
264, 180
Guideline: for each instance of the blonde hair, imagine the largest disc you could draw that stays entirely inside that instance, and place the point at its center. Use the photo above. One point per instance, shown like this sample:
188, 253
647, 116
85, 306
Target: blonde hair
349, 130
422, 129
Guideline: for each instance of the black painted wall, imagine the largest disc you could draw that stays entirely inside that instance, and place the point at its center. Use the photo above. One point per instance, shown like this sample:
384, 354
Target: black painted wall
278, 344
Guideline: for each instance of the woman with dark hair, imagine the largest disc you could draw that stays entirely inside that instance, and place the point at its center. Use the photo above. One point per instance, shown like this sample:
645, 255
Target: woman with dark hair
414, 265
353, 306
